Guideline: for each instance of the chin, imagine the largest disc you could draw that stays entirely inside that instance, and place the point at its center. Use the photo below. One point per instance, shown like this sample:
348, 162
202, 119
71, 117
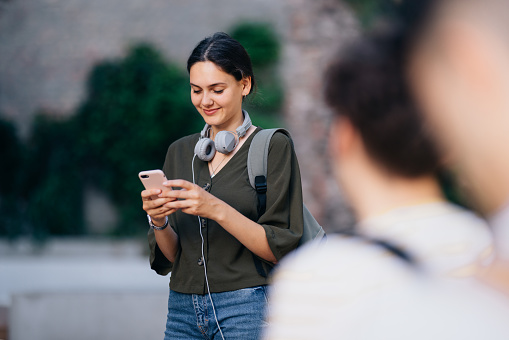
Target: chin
211, 120
217, 119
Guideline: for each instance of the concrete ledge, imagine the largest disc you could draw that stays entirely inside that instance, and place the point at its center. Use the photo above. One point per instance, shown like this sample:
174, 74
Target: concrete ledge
85, 316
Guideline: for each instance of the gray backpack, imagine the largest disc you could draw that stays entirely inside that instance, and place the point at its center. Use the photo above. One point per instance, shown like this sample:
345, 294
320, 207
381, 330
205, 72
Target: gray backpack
257, 170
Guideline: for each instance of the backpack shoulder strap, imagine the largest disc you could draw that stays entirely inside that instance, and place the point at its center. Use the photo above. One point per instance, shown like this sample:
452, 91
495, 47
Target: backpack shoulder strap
257, 164
257, 170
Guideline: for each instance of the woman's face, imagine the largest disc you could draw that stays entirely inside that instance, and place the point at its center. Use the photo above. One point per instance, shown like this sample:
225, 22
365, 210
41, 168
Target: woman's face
217, 95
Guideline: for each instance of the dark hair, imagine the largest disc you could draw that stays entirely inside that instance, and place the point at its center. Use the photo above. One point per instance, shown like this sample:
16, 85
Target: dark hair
415, 17
227, 53
367, 86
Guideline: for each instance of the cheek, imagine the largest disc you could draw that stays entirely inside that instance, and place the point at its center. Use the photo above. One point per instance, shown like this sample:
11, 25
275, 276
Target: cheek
227, 99
195, 99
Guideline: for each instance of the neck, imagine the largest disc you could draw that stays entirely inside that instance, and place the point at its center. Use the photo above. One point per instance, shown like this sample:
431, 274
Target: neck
230, 125
379, 194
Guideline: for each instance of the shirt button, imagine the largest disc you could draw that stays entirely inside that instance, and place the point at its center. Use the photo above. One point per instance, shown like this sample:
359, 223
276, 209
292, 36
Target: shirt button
200, 261
203, 223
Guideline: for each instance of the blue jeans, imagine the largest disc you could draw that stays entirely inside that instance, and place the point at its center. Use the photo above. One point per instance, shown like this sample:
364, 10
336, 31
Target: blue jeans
240, 314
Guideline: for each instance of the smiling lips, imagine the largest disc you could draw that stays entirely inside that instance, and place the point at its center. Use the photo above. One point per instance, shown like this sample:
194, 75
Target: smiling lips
210, 112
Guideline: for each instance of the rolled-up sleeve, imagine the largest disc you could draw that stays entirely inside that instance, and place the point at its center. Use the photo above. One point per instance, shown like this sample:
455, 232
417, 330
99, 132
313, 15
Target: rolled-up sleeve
158, 261
283, 217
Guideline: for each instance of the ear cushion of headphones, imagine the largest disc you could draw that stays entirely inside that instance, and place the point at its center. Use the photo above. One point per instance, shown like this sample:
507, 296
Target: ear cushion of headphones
205, 149
225, 142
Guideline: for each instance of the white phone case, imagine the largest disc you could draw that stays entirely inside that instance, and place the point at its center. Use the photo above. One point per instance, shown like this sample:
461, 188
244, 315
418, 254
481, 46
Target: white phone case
153, 179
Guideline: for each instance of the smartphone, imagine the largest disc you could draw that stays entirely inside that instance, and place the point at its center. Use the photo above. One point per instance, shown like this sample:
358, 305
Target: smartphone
153, 179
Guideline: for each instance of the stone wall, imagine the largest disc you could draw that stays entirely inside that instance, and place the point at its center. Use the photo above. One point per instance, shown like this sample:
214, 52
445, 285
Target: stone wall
317, 30
47, 48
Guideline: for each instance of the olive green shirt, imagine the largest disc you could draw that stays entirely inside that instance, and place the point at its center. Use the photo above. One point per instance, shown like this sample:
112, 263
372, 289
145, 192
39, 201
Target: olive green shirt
230, 265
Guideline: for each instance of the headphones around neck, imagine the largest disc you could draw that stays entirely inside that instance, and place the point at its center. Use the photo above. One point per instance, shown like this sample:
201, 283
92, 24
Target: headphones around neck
225, 141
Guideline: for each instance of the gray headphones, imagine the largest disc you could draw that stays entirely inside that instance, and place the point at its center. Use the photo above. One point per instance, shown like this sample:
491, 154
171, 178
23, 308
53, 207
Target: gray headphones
225, 141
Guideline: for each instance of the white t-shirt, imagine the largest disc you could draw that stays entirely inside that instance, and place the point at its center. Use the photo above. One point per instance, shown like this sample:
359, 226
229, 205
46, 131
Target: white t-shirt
500, 226
350, 289
446, 239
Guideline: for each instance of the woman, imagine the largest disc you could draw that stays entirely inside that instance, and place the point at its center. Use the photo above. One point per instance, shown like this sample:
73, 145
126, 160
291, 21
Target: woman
218, 249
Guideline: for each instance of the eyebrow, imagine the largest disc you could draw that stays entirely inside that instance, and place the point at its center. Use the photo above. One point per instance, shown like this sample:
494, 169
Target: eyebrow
212, 85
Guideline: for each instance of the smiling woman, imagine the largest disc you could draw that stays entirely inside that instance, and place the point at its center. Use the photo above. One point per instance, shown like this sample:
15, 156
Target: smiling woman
217, 247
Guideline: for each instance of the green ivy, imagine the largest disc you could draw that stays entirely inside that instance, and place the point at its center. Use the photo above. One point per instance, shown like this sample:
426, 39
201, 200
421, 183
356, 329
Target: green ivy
134, 108
262, 43
12, 155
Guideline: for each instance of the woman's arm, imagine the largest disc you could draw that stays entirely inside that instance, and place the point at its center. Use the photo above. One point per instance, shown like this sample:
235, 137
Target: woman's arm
166, 239
196, 201
251, 234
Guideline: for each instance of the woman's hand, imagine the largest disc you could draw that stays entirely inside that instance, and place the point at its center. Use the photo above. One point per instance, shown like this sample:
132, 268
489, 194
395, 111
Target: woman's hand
193, 200
155, 207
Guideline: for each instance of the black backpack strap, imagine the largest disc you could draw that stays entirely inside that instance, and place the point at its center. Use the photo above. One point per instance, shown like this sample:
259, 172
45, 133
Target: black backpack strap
389, 246
261, 191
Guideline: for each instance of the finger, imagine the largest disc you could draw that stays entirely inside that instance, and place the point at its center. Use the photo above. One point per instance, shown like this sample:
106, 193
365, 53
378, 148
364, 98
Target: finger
167, 193
180, 183
168, 197
182, 194
145, 194
154, 204
178, 205
161, 212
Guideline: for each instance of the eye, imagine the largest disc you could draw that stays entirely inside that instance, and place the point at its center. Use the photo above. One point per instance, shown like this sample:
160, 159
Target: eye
219, 91
196, 91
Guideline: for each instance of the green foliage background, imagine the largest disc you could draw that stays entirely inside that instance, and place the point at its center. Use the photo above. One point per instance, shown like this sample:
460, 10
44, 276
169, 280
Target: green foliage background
263, 46
368, 11
134, 109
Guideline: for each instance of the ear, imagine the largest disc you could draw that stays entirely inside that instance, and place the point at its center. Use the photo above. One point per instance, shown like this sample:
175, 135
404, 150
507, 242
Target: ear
342, 137
246, 86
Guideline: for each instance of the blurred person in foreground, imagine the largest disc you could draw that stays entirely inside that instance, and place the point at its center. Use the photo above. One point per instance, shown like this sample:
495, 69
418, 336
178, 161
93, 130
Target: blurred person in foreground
388, 283
459, 69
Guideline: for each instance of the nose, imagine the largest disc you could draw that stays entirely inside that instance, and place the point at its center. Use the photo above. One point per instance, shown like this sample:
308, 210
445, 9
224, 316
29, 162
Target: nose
206, 100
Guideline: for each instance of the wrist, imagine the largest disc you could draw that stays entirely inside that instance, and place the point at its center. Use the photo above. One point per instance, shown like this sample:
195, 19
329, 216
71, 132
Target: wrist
154, 224
159, 222
220, 212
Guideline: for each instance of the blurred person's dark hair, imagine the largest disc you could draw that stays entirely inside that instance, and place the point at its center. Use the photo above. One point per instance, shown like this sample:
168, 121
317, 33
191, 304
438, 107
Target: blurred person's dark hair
367, 86
226, 53
418, 17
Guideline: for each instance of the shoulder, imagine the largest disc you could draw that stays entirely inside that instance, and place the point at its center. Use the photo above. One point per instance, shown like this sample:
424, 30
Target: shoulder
440, 217
346, 277
334, 281
457, 223
280, 143
183, 144
186, 141
280, 138
341, 266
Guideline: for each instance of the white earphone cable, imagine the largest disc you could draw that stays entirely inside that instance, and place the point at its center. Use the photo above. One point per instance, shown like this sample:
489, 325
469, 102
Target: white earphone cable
205, 262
